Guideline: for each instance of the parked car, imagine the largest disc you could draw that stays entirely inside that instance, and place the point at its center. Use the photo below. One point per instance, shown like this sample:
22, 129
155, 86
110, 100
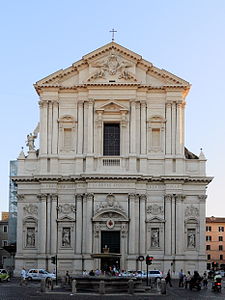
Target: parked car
38, 274
4, 275
154, 274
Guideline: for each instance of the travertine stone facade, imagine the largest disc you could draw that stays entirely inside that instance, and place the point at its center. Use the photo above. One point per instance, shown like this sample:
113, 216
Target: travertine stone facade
111, 167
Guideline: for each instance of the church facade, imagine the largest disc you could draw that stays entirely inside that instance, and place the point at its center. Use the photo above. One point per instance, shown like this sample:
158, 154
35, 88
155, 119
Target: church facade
112, 180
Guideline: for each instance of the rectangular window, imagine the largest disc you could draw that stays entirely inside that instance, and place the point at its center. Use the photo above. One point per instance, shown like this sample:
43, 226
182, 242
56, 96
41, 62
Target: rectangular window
220, 247
221, 256
4, 243
208, 247
208, 257
221, 229
220, 238
111, 145
67, 138
208, 238
5, 228
208, 228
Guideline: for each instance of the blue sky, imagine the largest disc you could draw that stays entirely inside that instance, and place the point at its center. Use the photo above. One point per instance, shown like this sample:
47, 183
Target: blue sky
185, 37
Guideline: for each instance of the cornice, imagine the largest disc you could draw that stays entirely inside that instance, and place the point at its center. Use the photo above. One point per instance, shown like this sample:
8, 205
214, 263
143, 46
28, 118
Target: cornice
93, 177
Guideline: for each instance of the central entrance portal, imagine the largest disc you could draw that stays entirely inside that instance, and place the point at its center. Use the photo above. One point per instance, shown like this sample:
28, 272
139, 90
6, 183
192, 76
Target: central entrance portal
110, 240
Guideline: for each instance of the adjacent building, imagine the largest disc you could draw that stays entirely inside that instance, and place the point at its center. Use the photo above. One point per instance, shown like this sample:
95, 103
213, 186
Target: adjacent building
215, 242
4, 255
112, 179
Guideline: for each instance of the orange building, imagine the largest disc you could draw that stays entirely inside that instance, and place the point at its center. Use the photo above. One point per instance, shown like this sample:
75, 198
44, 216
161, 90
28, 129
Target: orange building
215, 242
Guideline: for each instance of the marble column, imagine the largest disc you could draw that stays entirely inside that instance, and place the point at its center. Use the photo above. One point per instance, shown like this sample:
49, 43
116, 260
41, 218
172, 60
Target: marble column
42, 223
168, 128
20, 228
201, 234
173, 225
168, 227
132, 215
90, 127
179, 224
48, 225
54, 224
84, 225
43, 126
79, 228
179, 130
143, 199
49, 119
55, 128
89, 208
137, 225
98, 138
143, 127
133, 128
173, 128
80, 127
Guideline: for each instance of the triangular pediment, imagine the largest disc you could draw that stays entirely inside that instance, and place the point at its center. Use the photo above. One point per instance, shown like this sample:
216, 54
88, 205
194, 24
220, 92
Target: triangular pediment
111, 64
112, 106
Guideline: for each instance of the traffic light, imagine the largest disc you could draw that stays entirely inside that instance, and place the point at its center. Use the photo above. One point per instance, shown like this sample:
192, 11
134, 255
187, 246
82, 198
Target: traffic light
149, 259
53, 260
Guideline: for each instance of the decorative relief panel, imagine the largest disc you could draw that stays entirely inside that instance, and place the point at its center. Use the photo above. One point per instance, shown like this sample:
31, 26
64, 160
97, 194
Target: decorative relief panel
155, 209
191, 211
30, 209
110, 203
112, 65
66, 208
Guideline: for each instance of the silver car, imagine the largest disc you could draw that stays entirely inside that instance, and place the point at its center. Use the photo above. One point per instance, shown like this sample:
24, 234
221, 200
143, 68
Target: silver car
38, 274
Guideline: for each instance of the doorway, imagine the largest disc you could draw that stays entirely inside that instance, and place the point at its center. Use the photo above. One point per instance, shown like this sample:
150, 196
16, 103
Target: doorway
110, 240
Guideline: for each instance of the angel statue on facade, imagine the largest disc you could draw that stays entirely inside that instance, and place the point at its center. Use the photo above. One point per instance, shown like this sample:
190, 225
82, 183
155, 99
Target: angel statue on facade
31, 137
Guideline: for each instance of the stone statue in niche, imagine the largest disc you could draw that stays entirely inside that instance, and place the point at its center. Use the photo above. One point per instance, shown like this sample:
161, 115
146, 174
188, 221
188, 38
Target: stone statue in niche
30, 239
191, 239
66, 237
155, 237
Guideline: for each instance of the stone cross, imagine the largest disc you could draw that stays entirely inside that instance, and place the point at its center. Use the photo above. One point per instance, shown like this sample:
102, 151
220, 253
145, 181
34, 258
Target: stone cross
113, 31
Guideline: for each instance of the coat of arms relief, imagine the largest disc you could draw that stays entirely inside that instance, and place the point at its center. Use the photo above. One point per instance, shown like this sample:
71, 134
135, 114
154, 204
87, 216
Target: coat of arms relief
113, 65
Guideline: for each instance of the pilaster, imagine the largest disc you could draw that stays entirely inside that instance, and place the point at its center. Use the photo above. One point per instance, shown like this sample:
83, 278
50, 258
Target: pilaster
142, 233
168, 224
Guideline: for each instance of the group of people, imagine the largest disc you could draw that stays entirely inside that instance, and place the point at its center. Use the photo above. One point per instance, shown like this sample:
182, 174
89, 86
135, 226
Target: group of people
188, 280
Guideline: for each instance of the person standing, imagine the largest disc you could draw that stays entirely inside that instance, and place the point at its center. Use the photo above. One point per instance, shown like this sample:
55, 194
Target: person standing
181, 278
187, 279
168, 278
23, 277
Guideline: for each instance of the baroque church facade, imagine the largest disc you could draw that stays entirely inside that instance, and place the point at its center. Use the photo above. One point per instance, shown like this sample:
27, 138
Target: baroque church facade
112, 179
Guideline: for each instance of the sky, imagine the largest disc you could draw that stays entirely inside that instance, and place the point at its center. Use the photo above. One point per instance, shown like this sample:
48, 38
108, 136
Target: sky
185, 37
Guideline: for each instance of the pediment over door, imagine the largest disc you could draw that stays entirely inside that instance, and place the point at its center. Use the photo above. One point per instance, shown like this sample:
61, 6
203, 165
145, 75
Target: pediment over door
112, 107
107, 214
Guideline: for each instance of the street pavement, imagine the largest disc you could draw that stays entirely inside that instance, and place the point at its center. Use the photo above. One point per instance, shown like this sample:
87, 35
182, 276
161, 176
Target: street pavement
13, 291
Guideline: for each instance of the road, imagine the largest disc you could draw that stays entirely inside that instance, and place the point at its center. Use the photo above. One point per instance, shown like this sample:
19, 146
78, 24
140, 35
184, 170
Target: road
13, 291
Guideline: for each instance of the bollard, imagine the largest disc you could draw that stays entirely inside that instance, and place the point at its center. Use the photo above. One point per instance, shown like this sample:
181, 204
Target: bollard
158, 285
130, 286
43, 285
63, 281
51, 284
74, 286
101, 287
163, 286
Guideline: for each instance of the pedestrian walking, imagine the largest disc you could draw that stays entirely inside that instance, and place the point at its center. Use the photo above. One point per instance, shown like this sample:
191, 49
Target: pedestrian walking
205, 280
181, 278
168, 278
23, 277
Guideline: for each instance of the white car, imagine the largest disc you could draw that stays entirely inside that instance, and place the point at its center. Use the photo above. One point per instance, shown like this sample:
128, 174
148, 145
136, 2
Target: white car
154, 274
38, 274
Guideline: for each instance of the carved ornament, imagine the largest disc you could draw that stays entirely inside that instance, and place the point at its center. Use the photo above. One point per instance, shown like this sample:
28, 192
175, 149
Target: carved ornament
66, 208
112, 65
155, 209
110, 203
191, 211
30, 209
